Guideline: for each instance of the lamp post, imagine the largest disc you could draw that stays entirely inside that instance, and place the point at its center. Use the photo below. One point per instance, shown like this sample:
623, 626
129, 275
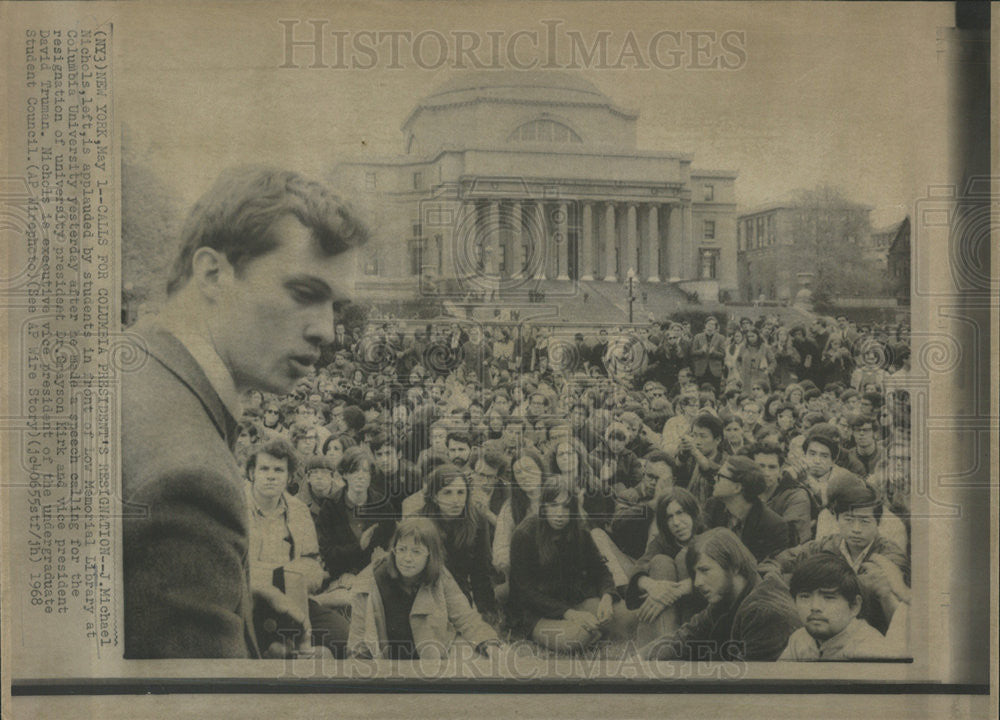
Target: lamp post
630, 284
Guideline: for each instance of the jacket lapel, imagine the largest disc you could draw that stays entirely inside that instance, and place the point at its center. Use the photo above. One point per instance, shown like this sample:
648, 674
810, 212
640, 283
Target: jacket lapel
167, 350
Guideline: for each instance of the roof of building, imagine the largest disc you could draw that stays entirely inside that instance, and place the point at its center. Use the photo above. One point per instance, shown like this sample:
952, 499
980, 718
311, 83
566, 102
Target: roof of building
534, 86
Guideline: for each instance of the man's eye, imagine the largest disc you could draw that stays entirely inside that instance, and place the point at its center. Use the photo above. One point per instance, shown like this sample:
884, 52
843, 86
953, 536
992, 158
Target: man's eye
305, 295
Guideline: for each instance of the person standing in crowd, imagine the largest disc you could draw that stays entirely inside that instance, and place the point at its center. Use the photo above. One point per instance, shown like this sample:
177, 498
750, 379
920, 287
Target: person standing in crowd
561, 592
265, 255
708, 354
747, 617
407, 606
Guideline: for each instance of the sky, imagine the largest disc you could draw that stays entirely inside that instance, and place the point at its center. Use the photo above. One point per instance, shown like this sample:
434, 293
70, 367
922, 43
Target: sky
852, 95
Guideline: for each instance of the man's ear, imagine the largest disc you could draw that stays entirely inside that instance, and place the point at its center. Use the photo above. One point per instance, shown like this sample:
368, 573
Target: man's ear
210, 269
856, 605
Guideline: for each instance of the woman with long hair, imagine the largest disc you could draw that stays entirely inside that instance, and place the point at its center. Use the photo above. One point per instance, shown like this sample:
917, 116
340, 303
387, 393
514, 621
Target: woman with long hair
350, 531
465, 531
525, 497
660, 587
407, 606
754, 360
787, 359
562, 595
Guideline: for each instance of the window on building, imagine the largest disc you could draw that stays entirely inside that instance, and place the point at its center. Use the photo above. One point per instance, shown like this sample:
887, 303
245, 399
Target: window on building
370, 180
760, 231
709, 264
371, 264
418, 229
503, 258
709, 233
418, 181
544, 131
709, 193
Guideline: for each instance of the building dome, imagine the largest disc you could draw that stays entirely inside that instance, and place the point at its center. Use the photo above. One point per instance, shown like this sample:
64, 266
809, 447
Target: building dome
534, 85
530, 108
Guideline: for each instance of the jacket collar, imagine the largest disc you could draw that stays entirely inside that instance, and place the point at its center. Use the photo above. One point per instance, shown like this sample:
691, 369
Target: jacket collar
171, 353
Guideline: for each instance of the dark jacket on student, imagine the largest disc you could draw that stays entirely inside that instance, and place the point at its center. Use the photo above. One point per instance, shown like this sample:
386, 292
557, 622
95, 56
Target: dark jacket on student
339, 529
470, 564
576, 573
763, 531
754, 627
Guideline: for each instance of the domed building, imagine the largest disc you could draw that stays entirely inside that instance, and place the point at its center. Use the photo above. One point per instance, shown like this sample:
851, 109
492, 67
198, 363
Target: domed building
512, 178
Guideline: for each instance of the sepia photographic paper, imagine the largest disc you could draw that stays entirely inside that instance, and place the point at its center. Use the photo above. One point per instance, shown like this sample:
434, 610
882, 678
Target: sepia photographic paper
412, 358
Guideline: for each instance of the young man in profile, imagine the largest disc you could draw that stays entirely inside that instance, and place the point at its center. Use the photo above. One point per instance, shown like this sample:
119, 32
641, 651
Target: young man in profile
264, 257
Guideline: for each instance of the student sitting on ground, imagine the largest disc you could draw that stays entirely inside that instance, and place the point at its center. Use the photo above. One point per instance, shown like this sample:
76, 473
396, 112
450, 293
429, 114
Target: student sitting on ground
407, 606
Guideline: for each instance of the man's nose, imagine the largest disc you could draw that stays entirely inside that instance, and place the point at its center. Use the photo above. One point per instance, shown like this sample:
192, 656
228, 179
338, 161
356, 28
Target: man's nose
320, 329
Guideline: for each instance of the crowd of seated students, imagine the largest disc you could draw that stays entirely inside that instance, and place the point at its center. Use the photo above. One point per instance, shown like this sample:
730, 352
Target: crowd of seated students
698, 495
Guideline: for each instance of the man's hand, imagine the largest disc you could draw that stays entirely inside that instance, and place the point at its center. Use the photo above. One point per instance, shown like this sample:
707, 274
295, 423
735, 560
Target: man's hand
650, 609
893, 576
873, 578
582, 618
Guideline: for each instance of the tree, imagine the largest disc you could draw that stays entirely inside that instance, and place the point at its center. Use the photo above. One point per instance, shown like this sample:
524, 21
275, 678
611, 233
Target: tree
830, 235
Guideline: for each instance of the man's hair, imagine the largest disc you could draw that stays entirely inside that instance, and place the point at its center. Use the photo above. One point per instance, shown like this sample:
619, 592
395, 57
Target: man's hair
319, 462
767, 448
825, 571
853, 495
856, 420
354, 459
458, 436
379, 439
748, 475
724, 547
825, 434
709, 421
236, 215
658, 456
278, 448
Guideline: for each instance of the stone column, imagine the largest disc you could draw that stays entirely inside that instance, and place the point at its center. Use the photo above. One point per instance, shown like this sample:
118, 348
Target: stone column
653, 242
587, 252
562, 241
689, 254
631, 231
491, 240
609, 242
516, 239
675, 242
544, 242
